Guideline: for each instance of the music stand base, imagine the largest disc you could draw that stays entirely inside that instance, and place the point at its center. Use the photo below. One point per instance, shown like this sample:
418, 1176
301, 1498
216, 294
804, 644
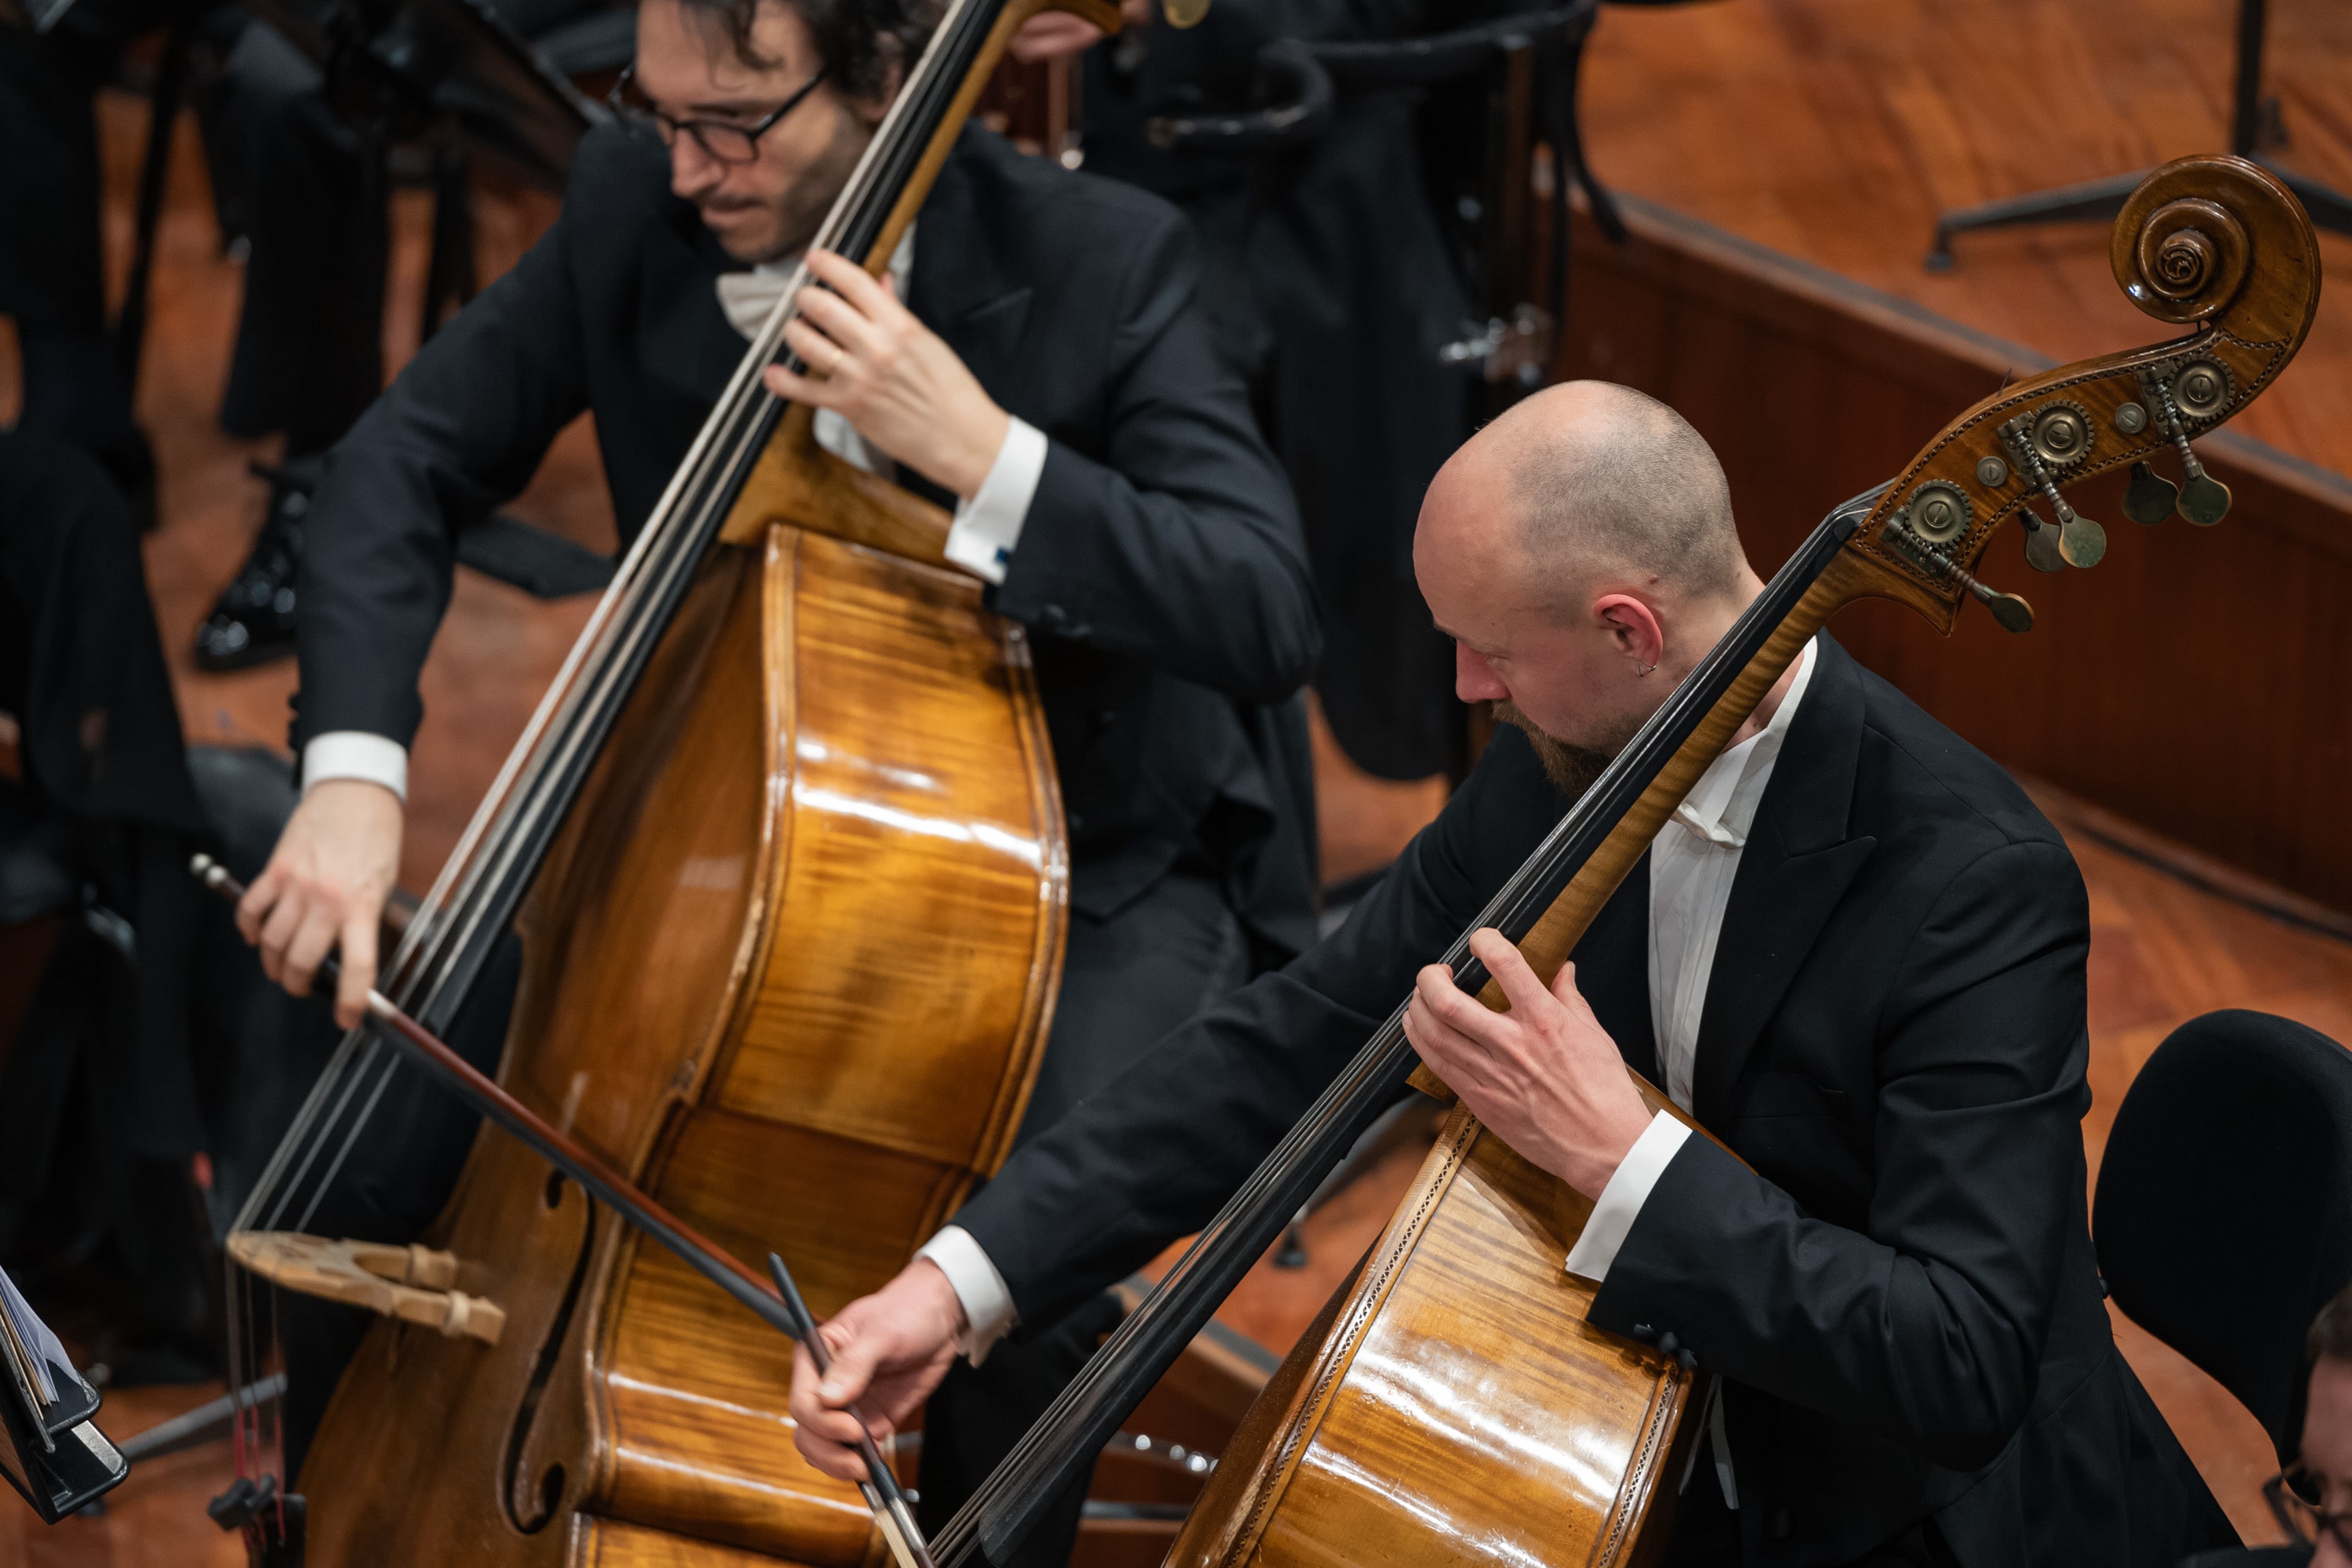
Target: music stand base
2098, 201
2253, 125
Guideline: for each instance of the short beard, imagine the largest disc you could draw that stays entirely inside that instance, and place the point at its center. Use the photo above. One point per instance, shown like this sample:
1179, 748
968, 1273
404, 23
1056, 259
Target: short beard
1570, 768
802, 209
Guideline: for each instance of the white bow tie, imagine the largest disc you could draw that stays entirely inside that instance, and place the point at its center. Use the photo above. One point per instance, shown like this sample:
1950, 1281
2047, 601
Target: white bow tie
750, 297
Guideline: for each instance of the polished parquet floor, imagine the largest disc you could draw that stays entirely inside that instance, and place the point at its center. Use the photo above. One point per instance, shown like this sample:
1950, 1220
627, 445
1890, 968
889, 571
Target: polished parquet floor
1830, 129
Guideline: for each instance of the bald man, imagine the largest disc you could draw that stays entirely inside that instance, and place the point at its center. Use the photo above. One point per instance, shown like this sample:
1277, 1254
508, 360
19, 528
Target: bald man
1855, 954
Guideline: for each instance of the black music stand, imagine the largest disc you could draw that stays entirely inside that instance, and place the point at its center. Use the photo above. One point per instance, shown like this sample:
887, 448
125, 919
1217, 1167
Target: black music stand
2100, 200
449, 76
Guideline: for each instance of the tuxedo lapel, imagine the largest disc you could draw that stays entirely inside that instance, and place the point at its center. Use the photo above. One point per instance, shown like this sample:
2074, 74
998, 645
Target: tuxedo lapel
1613, 970
960, 289
1798, 864
685, 341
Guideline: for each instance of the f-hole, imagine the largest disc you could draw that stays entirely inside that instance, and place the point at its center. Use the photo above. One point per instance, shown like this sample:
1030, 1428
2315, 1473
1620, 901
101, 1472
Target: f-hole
545, 1492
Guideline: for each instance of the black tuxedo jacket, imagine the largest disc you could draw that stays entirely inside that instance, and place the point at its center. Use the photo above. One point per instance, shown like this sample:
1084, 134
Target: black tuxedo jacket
1159, 565
1901, 1293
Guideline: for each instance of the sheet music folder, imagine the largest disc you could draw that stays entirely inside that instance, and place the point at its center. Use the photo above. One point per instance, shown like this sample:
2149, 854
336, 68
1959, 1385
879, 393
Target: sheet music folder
55, 1457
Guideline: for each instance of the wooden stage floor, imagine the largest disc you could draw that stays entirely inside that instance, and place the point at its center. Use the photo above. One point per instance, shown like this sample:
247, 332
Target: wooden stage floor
1829, 128
1833, 131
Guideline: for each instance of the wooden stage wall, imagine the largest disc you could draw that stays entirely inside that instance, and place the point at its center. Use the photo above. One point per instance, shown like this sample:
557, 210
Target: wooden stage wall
2198, 682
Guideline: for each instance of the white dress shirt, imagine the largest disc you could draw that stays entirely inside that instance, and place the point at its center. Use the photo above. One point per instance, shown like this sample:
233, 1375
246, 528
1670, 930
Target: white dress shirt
1692, 864
981, 540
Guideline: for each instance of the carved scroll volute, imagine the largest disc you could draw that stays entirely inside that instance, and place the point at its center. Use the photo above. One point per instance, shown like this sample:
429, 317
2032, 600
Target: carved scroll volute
2219, 240
2212, 243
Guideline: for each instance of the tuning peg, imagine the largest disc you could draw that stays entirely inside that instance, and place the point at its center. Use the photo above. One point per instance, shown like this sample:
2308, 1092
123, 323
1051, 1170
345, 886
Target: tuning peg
2083, 542
2204, 500
2150, 497
2080, 541
2011, 612
2042, 551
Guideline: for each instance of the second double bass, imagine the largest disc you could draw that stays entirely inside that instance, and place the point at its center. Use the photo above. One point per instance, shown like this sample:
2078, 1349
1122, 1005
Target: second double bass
1896, 1284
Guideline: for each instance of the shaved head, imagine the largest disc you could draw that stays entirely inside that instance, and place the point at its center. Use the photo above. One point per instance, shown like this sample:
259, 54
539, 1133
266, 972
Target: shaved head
1610, 482
1580, 553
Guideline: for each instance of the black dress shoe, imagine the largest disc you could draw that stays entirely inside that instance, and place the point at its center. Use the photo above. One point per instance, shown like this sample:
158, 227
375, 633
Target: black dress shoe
253, 620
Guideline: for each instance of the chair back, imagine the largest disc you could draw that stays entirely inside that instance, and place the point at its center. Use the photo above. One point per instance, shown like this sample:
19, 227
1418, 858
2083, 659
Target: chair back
2223, 1214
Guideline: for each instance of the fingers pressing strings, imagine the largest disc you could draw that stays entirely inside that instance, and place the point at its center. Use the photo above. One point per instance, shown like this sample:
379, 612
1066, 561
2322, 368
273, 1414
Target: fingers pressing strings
843, 332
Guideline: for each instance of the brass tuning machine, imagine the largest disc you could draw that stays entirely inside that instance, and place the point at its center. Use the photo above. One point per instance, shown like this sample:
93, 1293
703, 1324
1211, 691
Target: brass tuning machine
2150, 498
2042, 550
1937, 513
2045, 443
1184, 13
2196, 390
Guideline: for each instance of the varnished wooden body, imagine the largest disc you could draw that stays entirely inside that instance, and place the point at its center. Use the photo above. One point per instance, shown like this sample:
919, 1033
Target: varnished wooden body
790, 962
1454, 1407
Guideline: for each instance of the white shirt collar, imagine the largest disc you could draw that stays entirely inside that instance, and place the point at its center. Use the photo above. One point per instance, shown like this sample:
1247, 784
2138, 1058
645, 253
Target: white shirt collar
1721, 807
749, 297
902, 263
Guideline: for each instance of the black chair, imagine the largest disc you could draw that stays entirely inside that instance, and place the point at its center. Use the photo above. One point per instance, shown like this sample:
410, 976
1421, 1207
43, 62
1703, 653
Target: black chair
2223, 1214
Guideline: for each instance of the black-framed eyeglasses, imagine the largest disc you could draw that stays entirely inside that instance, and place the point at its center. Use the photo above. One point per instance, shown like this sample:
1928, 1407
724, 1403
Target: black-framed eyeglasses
2298, 1499
723, 139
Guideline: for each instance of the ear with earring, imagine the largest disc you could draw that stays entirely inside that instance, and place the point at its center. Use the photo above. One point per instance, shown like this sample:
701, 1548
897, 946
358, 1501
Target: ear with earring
1639, 669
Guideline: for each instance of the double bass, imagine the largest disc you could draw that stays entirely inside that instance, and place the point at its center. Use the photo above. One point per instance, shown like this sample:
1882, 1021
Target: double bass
1452, 1405
784, 849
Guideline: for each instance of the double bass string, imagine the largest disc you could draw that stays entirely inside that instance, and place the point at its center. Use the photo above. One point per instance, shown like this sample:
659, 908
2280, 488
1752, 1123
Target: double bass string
1064, 1439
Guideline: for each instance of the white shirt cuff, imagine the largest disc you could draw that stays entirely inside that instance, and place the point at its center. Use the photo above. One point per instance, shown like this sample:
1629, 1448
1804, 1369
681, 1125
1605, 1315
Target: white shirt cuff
988, 526
355, 754
988, 1311
1621, 1201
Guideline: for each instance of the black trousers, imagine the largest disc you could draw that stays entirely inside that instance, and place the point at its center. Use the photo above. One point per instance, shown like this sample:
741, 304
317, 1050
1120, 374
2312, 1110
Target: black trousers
1126, 982
1707, 1534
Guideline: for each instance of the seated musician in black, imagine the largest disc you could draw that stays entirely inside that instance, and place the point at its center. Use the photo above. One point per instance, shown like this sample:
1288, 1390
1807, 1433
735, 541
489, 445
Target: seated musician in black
1047, 375
1855, 954
2311, 1498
